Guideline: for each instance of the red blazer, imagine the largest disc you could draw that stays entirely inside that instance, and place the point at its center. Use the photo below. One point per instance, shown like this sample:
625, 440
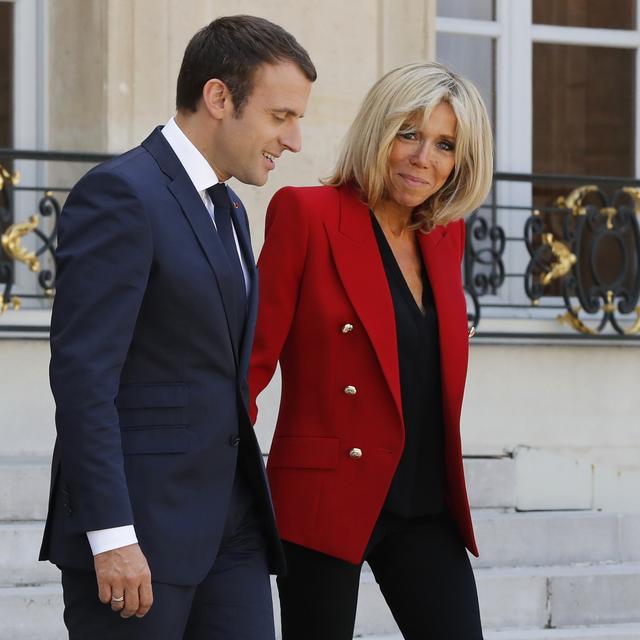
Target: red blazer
321, 274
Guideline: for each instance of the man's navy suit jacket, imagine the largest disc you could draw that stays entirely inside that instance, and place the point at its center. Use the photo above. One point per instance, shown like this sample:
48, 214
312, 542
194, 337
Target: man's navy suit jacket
148, 378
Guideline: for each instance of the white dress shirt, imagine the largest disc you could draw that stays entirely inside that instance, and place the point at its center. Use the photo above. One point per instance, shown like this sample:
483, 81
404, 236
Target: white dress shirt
202, 176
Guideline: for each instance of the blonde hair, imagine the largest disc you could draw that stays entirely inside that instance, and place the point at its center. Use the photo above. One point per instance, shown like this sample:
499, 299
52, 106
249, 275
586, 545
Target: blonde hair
408, 93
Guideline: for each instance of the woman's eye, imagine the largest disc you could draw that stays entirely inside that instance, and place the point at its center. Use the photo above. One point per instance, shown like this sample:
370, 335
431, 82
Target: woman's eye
445, 145
407, 135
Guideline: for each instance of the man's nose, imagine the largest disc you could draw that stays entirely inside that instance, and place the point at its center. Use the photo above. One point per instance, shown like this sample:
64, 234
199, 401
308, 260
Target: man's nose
292, 137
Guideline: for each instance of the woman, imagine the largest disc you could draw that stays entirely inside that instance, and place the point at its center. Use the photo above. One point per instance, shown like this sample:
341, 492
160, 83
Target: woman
362, 305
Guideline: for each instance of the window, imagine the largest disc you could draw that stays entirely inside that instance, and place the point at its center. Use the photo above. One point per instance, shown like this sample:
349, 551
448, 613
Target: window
583, 110
473, 57
559, 78
478, 10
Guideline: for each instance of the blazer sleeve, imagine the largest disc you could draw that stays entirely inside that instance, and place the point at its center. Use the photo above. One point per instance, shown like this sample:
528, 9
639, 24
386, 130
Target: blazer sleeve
281, 265
463, 237
104, 257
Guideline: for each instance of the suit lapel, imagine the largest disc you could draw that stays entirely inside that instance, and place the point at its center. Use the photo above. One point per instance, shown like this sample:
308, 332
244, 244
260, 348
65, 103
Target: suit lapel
359, 265
198, 217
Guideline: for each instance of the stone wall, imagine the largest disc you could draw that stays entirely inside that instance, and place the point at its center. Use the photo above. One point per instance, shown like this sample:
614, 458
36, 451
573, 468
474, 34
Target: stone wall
567, 415
114, 64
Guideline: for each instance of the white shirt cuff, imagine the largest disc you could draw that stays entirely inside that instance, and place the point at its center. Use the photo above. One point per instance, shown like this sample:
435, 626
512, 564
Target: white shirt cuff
107, 539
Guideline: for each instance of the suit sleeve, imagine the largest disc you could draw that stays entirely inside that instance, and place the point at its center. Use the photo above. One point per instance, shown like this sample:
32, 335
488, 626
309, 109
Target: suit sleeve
104, 258
281, 265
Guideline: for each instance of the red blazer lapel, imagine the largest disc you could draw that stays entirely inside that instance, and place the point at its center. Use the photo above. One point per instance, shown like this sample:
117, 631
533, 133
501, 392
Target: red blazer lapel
357, 258
441, 255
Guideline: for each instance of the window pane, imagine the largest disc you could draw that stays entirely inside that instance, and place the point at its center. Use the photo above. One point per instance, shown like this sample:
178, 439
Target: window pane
474, 58
469, 9
583, 124
6, 72
597, 14
583, 106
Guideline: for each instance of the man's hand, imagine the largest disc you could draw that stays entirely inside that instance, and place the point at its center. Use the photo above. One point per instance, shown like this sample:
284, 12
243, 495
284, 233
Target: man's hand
124, 572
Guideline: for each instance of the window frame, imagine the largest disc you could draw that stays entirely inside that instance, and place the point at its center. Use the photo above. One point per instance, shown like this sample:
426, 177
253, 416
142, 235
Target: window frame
30, 128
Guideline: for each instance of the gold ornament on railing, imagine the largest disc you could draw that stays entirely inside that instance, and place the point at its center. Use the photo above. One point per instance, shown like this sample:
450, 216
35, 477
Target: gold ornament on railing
571, 319
8, 180
15, 303
634, 329
12, 243
564, 259
5, 176
610, 307
574, 200
14, 251
634, 192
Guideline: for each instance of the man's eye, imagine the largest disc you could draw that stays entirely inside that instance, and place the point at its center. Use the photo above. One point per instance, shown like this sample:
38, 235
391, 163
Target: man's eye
280, 117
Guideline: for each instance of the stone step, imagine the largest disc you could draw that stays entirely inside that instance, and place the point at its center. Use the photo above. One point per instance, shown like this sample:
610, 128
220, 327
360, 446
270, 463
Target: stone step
31, 613
573, 595
491, 482
24, 487
19, 547
608, 632
603, 594
505, 540
555, 538
513, 599
532, 597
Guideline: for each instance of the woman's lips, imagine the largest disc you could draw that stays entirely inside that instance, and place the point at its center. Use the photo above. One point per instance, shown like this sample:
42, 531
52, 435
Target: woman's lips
412, 180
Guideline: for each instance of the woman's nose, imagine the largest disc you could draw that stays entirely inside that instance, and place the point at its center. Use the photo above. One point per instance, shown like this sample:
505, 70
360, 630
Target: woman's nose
422, 155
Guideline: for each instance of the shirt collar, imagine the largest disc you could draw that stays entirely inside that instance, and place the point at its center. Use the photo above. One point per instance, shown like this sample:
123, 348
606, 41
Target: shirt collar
194, 163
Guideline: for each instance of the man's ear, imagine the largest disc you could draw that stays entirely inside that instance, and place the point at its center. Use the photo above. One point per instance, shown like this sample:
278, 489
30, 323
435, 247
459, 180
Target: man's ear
216, 98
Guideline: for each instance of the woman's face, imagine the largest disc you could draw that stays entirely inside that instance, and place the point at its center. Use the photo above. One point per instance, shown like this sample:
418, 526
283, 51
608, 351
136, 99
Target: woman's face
422, 157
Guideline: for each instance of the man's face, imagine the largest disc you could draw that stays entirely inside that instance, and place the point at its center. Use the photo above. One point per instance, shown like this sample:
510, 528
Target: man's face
268, 124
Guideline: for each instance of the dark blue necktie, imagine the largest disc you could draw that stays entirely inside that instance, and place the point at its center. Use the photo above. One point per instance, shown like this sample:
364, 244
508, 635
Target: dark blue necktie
222, 213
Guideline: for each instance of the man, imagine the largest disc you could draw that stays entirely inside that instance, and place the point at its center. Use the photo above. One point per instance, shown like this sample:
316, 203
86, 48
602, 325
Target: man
158, 488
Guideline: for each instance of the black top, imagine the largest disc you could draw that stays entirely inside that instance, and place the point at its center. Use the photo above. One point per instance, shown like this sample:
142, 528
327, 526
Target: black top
418, 486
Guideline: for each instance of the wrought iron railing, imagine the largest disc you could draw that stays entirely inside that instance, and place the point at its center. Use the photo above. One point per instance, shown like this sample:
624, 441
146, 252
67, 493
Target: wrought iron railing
38, 226
577, 240
561, 251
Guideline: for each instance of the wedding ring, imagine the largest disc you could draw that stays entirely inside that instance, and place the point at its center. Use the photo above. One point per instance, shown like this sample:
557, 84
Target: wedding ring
120, 599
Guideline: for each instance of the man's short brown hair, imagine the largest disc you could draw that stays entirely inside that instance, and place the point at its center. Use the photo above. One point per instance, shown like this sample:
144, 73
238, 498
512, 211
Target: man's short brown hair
231, 49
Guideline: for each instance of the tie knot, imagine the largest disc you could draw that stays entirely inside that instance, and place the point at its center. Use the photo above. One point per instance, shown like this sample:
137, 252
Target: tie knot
219, 195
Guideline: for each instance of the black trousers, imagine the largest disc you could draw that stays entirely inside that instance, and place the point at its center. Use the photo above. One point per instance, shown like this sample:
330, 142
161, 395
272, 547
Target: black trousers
423, 572
233, 602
